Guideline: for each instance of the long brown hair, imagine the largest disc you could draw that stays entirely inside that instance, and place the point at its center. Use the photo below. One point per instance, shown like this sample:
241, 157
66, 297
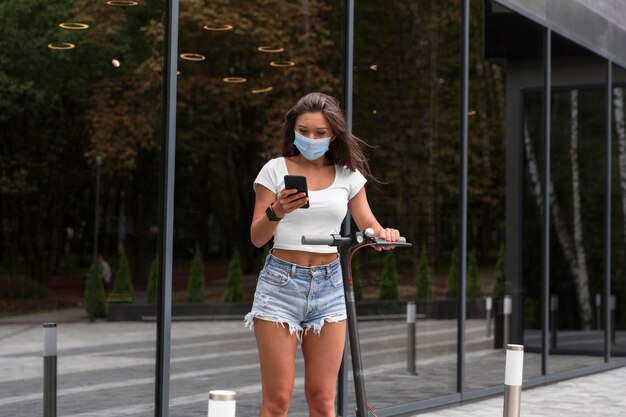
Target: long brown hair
345, 148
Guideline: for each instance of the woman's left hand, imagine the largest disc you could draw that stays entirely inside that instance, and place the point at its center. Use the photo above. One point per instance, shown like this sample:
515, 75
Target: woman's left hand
390, 235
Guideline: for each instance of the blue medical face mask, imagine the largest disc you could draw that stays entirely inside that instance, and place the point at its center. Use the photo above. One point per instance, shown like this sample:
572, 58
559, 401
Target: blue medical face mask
311, 149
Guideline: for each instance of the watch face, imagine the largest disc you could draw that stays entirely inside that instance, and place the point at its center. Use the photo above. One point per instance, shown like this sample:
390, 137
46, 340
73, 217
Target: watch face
270, 214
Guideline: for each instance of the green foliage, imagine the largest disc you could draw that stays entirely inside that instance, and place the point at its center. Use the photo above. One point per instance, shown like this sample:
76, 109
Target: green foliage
424, 278
195, 283
474, 289
357, 284
452, 290
95, 273
389, 282
123, 284
498, 285
234, 284
152, 281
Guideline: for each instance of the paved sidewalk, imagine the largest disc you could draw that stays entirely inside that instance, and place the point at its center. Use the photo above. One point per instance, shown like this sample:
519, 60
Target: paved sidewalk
598, 395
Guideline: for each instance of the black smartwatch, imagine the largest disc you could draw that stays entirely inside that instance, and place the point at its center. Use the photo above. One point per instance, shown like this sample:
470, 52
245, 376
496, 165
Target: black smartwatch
269, 212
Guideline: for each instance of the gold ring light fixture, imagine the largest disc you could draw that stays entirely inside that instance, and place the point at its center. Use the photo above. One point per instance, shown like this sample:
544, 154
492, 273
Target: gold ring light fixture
218, 27
61, 46
192, 57
282, 64
234, 80
122, 3
73, 26
262, 90
270, 50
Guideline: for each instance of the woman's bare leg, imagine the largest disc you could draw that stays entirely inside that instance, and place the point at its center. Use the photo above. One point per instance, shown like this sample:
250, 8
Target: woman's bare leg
322, 359
277, 352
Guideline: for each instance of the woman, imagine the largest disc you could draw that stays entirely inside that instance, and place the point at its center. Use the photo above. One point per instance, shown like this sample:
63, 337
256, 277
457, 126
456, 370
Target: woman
300, 287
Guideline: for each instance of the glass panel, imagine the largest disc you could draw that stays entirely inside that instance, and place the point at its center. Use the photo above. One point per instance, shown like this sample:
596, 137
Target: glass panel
618, 215
406, 97
244, 65
79, 121
577, 212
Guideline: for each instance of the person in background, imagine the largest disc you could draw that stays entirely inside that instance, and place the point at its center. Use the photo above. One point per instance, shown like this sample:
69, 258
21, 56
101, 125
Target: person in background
299, 294
105, 269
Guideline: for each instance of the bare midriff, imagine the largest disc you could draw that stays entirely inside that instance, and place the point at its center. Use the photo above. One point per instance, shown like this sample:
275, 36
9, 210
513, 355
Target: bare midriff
304, 258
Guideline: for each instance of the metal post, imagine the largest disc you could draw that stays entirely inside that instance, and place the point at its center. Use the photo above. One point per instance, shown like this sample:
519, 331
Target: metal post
608, 111
513, 380
96, 230
348, 76
222, 403
488, 310
598, 311
463, 149
166, 212
554, 308
49, 370
410, 340
545, 239
508, 309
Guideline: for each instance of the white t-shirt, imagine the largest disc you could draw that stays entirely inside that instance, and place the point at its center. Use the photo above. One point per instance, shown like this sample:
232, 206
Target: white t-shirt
328, 207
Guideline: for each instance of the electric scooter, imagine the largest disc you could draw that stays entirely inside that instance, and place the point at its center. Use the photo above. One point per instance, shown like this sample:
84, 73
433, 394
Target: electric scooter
348, 245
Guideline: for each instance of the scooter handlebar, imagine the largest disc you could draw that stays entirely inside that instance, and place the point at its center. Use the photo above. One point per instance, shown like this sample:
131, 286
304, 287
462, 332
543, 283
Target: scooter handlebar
318, 240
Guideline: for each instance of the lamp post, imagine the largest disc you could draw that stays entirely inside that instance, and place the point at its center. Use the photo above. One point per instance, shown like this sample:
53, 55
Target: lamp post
92, 312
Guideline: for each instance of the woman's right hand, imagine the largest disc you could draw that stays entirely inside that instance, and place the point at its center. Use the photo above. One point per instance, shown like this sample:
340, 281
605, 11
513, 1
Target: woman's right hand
289, 200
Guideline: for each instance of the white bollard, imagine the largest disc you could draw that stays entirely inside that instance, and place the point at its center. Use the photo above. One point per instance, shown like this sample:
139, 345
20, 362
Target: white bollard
488, 309
221, 403
513, 380
50, 369
507, 310
410, 344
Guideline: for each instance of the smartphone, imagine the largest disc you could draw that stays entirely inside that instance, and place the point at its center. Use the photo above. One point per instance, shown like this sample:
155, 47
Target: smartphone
298, 182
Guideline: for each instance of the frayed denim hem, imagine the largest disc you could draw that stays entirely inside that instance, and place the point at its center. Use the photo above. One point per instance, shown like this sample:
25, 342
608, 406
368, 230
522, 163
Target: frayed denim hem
249, 322
317, 327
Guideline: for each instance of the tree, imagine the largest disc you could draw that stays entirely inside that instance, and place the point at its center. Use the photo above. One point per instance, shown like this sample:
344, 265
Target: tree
195, 283
94, 273
389, 282
452, 289
234, 284
474, 290
424, 277
151, 292
123, 283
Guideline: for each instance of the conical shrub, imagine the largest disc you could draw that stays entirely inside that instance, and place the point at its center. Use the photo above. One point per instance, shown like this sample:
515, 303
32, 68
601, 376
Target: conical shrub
195, 283
452, 289
474, 289
424, 279
389, 282
234, 284
94, 273
151, 292
123, 284
498, 285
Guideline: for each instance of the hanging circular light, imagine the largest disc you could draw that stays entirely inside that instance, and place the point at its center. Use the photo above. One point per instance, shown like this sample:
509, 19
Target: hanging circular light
122, 3
374, 67
221, 27
282, 64
235, 80
115, 63
73, 26
192, 57
270, 50
262, 90
62, 45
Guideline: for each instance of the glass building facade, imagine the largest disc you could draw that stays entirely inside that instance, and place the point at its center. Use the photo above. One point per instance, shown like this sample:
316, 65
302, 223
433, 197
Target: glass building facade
113, 156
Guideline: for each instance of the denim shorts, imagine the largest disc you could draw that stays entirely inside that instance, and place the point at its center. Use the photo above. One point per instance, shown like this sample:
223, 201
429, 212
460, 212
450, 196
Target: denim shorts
298, 296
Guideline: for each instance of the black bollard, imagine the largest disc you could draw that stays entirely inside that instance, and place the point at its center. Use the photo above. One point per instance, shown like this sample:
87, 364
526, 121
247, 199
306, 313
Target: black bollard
410, 344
